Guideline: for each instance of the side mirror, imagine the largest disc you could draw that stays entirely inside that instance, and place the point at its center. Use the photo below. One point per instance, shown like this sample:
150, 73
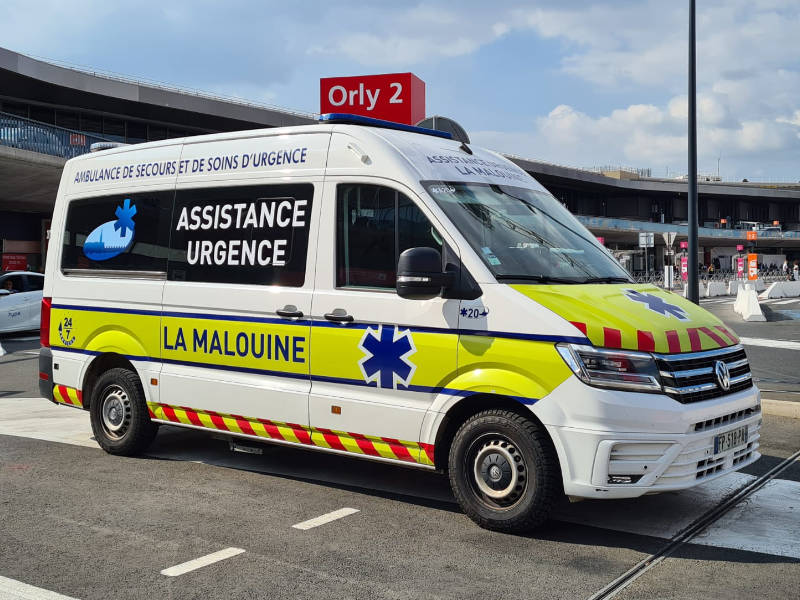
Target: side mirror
4, 292
420, 275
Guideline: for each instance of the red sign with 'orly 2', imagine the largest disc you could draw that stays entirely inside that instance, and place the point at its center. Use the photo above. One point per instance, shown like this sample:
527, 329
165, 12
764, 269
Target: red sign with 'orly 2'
397, 97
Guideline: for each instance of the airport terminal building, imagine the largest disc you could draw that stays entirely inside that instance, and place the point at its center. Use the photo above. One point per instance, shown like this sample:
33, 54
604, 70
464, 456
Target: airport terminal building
50, 113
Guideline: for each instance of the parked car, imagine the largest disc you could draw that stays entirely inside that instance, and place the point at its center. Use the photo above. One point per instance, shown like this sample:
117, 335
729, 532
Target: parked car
20, 301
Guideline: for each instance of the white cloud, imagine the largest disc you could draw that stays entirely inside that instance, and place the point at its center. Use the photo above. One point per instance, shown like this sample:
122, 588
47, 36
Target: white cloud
644, 135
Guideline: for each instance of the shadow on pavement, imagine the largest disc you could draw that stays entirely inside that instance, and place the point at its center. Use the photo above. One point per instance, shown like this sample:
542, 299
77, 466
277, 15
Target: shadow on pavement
642, 524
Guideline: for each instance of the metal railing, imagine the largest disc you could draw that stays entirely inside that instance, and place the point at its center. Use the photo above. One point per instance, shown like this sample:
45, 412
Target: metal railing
25, 134
657, 278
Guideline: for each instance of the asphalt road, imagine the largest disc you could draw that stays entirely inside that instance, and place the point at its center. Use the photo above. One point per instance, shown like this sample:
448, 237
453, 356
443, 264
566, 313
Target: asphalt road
85, 524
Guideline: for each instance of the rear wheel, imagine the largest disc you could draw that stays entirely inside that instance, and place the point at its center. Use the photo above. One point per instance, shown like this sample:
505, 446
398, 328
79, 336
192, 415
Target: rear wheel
120, 420
504, 471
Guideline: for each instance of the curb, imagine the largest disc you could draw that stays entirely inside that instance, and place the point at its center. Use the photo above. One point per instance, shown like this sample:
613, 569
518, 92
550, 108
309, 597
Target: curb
781, 408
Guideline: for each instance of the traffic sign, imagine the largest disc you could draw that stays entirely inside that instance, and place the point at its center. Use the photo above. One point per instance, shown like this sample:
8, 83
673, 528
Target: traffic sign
646, 240
752, 235
669, 238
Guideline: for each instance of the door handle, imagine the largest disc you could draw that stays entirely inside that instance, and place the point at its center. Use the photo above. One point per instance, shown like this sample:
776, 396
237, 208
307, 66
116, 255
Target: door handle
290, 311
339, 315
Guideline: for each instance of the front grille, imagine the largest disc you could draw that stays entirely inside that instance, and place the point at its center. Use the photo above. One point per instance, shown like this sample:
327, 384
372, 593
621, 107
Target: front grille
690, 377
739, 415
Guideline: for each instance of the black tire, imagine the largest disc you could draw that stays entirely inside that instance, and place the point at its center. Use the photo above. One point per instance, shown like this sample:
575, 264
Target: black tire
509, 456
125, 428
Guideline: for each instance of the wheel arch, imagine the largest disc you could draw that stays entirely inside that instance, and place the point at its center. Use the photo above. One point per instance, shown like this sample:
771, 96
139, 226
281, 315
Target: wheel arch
99, 365
469, 406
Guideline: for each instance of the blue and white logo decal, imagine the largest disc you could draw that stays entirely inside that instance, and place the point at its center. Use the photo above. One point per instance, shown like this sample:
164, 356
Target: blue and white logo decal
112, 237
386, 351
657, 304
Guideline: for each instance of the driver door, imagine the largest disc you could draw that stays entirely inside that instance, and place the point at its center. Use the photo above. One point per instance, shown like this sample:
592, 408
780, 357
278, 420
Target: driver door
377, 360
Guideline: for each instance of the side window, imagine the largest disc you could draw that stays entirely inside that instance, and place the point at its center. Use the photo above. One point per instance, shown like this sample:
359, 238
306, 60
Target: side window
244, 234
34, 283
13, 283
374, 224
122, 232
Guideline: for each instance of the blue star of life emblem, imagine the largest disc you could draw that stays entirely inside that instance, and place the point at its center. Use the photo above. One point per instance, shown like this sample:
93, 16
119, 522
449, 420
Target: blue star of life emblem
125, 214
657, 304
386, 351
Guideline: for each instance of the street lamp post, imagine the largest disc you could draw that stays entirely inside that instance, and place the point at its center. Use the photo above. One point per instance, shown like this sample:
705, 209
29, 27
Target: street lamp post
693, 292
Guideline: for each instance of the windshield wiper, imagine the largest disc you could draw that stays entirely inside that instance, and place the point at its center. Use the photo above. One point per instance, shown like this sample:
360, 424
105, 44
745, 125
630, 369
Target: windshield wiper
537, 278
607, 280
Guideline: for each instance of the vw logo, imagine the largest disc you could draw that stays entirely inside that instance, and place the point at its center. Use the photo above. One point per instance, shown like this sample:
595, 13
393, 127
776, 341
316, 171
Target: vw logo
723, 375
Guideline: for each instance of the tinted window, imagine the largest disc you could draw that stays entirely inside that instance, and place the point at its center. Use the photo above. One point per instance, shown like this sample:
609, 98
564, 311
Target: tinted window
374, 224
34, 283
12, 283
127, 232
248, 234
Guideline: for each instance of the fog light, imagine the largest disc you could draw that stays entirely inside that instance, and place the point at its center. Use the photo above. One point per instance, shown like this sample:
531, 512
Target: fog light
623, 479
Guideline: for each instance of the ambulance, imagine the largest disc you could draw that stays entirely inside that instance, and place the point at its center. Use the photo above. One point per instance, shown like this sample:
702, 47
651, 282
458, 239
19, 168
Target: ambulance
384, 292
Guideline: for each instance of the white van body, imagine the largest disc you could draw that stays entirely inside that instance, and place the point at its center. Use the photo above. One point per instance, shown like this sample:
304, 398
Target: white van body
398, 381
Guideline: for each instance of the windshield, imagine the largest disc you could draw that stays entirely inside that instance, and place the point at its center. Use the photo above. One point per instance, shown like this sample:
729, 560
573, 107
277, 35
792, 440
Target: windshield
524, 234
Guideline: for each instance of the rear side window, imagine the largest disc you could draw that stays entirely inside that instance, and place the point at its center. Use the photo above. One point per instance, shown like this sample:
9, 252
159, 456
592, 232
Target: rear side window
34, 283
122, 232
247, 234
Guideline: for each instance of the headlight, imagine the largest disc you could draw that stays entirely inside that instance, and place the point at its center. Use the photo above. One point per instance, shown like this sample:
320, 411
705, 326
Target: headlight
616, 369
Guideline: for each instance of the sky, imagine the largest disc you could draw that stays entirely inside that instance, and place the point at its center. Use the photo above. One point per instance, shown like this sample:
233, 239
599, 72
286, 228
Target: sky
571, 82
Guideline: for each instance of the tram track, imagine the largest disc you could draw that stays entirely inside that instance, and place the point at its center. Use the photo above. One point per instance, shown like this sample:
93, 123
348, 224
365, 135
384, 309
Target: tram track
688, 533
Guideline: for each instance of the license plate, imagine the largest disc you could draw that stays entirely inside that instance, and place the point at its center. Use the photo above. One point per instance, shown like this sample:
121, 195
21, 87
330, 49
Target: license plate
730, 439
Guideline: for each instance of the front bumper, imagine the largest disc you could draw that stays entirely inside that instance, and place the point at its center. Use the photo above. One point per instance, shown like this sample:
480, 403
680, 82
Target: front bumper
637, 444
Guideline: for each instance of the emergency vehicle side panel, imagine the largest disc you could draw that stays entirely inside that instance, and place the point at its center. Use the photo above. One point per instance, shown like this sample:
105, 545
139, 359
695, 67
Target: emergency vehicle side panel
93, 312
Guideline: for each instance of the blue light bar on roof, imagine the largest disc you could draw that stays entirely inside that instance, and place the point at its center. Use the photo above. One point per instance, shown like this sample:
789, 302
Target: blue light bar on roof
348, 119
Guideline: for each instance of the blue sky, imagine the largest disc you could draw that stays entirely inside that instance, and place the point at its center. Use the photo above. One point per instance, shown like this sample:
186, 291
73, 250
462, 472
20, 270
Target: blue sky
572, 82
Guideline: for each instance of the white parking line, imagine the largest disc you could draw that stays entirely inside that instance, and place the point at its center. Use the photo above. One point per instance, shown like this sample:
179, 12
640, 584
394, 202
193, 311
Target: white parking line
784, 344
782, 302
203, 561
326, 518
11, 589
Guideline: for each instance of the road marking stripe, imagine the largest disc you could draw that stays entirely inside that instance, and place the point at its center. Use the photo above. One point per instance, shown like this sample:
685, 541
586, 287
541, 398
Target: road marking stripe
203, 561
16, 590
326, 518
784, 344
792, 301
781, 408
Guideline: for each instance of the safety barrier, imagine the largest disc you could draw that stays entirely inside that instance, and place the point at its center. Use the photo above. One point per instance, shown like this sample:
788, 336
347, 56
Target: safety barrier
781, 289
716, 288
747, 305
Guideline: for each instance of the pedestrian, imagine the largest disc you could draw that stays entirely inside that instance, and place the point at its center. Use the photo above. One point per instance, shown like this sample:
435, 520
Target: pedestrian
785, 268
796, 270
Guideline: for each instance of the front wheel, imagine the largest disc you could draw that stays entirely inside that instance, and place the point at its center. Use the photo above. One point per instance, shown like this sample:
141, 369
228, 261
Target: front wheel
504, 471
120, 420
